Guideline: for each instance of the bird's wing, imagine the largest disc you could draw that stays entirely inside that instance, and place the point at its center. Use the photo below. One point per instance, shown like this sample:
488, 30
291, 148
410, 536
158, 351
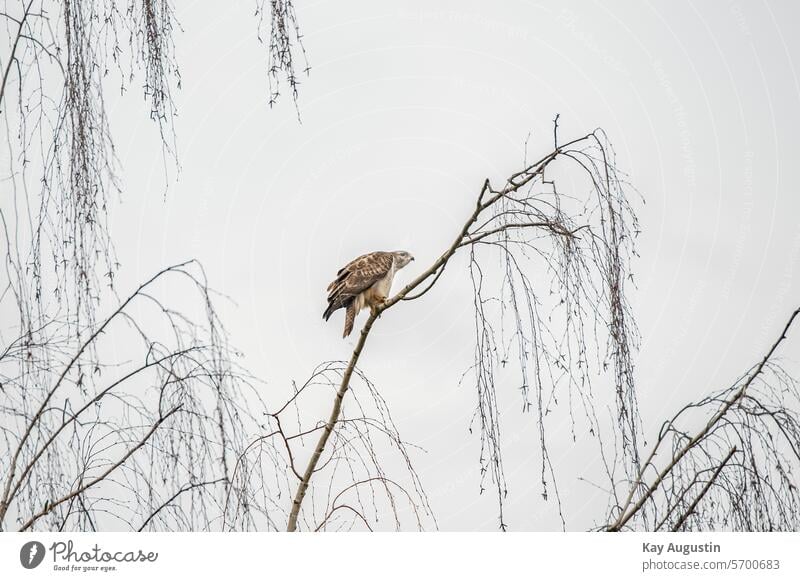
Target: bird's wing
356, 277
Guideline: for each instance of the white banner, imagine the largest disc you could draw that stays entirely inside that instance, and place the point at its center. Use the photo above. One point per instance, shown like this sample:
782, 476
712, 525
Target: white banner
354, 556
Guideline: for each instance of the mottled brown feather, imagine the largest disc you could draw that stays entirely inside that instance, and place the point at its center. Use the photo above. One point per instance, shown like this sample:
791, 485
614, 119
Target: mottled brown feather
349, 319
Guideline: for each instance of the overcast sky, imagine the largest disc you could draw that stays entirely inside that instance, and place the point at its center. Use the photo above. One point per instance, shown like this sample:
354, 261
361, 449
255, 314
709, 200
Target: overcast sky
408, 107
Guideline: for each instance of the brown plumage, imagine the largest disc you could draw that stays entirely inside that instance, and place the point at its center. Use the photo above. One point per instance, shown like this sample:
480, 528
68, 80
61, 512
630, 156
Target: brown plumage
363, 282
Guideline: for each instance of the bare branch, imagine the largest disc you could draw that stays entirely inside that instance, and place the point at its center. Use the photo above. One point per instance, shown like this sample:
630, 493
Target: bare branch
51, 505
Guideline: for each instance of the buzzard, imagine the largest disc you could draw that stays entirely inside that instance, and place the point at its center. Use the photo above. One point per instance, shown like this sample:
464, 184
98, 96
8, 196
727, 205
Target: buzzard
364, 282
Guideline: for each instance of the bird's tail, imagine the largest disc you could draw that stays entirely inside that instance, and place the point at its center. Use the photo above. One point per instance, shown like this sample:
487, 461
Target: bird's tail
349, 319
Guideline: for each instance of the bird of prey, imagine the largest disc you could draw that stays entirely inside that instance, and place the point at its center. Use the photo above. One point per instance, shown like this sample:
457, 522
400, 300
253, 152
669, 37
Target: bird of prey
364, 282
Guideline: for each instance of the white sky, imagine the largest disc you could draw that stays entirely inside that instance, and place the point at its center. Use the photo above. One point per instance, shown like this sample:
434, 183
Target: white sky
409, 106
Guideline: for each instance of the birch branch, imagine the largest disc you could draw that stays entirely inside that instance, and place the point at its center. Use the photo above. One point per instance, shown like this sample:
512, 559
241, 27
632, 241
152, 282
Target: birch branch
628, 510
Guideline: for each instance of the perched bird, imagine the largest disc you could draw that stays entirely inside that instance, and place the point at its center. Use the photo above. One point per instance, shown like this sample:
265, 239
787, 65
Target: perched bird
364, 282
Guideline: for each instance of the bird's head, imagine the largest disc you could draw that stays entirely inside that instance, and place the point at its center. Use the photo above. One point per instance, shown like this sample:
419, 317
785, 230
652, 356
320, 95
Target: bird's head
402, 258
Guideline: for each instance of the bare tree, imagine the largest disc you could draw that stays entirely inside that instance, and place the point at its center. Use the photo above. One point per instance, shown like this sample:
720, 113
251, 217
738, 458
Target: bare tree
139, 416
111, 434
584, 242
61, 165
93, 436
737, 470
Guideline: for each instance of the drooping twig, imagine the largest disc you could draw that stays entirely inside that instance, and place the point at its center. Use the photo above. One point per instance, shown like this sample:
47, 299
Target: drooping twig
688, 512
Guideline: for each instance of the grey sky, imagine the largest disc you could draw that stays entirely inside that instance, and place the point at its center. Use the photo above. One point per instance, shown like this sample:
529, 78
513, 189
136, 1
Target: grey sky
409, 106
